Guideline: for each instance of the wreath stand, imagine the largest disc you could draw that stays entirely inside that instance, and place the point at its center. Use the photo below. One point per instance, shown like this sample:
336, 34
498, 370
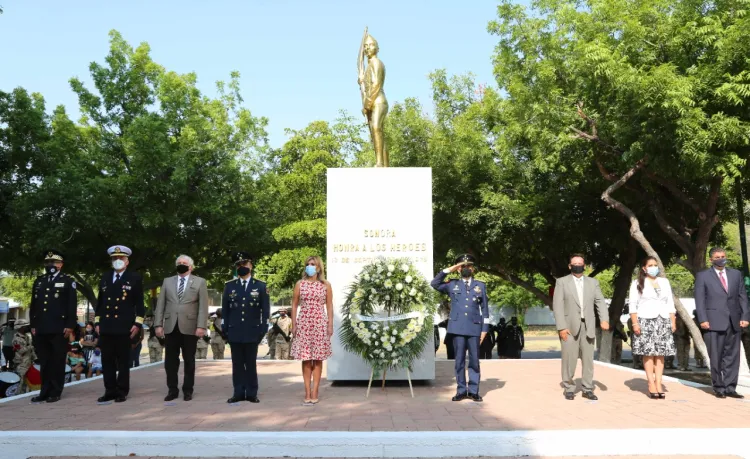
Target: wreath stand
382, 387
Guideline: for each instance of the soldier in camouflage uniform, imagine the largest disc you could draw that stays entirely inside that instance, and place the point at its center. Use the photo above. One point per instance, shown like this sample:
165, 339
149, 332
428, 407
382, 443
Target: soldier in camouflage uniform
24, 352
218, 340
155, 346
272, 335
682, 341
201, 348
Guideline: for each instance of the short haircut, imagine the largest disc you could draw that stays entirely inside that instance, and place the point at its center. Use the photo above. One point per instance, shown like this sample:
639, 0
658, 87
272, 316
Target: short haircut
715, 250
576, 255
189, 260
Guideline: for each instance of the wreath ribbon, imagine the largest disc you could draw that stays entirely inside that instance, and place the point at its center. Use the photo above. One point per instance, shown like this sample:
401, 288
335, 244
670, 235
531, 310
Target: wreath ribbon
410, 315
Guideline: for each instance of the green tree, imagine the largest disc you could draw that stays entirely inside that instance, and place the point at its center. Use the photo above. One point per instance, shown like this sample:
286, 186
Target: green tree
153, 164
17, 288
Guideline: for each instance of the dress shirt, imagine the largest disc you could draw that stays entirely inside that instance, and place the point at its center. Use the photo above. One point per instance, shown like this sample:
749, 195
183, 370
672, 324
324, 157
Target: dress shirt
720, 273
114, 276
187, 277
579, 289
651, 304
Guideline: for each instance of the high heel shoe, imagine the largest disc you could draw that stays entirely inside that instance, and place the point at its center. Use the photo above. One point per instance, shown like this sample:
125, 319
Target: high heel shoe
662, 395
653, 395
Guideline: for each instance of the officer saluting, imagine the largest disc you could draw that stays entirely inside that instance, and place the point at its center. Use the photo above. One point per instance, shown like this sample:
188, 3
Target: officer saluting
245, 309
119, 317
53, 316
469, 322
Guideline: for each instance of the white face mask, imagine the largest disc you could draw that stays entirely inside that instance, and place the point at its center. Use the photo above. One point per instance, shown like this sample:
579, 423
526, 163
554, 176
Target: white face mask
118, 264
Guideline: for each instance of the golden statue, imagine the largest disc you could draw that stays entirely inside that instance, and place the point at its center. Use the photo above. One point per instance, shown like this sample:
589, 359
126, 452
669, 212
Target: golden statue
374, 103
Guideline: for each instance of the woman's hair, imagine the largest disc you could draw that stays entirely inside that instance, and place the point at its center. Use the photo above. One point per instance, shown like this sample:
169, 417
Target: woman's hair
321, 268
91, 323
642, 273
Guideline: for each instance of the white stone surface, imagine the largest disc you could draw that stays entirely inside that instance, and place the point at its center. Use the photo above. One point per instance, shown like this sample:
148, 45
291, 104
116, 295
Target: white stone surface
376, 212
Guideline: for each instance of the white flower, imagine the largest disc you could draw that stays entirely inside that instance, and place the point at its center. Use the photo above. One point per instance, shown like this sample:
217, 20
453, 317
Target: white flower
387, 297
405, 268
413, 292
366, 276
388, 284
380, 269
388, 274
393, 340
399, 286
361, 325
382, 354
409, 279
394, 354
395, 332
391, 268
373, 291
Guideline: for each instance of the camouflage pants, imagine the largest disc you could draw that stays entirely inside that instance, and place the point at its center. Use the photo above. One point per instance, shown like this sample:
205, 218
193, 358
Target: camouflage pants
699, 362
282, 351
201, 353
683, 352
272, 347
616, 351
155, 354
21, 370
218, 350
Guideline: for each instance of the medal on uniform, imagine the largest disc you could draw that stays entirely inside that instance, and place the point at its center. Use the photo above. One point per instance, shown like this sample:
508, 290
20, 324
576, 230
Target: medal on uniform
57, 295
477, 289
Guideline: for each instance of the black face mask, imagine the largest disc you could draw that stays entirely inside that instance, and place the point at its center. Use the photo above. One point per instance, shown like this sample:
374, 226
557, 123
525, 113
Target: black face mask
182, 269
576, 269
466, 272
50, 269
243, 271
721, 262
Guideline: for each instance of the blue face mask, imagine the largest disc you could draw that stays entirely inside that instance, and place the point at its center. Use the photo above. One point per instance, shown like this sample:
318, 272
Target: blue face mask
652, 271
311, 270
97, 352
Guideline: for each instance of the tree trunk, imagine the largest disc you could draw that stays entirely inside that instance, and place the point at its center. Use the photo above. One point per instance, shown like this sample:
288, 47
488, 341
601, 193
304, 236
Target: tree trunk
622, 282
510, 277
637, 234
86, 290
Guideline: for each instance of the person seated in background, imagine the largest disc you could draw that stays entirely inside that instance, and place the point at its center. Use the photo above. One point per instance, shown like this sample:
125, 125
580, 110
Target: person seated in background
89, 341
95, 363
76, 360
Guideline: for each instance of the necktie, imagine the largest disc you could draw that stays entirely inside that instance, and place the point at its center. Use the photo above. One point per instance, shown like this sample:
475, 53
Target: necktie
244, 285
117, 277
181, 289
723, 281
467, 285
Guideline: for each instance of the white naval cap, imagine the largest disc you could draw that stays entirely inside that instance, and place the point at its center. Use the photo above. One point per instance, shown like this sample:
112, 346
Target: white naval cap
119, 251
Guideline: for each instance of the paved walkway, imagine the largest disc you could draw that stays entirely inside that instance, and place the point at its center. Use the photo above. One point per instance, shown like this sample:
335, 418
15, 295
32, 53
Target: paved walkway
519, 395
484, 457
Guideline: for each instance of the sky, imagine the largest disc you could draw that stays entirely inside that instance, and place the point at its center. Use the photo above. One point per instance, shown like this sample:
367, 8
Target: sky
296, 58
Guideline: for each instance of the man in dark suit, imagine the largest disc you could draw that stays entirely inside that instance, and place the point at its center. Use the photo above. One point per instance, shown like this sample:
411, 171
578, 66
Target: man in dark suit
245, 309
469, 322
53, 315
119, 318
721, 306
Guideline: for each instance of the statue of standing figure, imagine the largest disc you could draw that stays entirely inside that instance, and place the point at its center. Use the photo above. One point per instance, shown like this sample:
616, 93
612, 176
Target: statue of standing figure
374, 103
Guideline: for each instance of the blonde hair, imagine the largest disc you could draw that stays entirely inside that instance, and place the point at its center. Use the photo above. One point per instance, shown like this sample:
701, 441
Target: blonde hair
321, 269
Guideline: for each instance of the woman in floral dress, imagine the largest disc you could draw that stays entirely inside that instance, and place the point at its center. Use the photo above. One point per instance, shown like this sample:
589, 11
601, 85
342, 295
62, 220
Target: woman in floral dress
312, 325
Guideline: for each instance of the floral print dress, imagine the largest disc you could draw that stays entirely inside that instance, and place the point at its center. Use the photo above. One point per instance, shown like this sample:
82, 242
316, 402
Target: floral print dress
311, 341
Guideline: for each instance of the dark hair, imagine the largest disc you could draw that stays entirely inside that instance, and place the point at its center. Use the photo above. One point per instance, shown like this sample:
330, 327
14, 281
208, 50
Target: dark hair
576, 255
642, 274
715, 250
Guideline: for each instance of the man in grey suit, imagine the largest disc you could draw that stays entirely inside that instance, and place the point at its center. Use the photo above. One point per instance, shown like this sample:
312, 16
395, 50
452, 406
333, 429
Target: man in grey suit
721, 306
573, 302
181, 313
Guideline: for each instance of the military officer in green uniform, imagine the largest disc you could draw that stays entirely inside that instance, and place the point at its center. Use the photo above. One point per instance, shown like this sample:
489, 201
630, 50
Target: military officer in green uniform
53, 315
119, 318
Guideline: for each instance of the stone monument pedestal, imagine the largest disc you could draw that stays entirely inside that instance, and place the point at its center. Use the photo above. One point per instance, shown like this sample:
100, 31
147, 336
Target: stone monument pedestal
374, 212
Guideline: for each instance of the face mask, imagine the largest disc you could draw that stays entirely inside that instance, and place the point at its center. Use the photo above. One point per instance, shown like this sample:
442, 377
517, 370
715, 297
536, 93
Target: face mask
311, 270
721, 262
118, 264
50, 269
243, 271
182, 269
97, 352
652, 271
466, 272
576, 269
89, 330
283, 315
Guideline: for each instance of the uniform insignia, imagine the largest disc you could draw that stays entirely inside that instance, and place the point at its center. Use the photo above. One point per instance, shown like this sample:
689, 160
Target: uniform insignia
455, 288
126, 287
73, 284
60, 284
477, 289
254, 293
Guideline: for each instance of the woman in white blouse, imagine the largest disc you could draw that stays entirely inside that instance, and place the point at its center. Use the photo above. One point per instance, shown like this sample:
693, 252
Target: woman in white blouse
652, 312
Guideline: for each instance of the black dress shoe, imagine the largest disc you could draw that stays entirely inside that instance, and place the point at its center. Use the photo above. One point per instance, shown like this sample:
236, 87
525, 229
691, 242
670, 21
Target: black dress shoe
590, 395
105, 398
187, 397
53, 399
38, 399
475, 397
570, 396
653, 395
171, 396
235, 400
459, 397
732, 394
720, 395
252, 399
120, 398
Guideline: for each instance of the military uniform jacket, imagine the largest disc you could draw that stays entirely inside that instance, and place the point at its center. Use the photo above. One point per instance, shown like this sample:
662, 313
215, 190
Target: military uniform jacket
470, 312
245, 313
53, 304
120, 304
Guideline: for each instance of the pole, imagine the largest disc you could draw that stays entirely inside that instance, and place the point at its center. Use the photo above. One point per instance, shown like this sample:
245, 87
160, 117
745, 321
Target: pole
741, 221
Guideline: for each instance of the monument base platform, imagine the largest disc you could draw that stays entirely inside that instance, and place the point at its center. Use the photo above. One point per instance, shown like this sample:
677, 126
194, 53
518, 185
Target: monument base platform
524, 413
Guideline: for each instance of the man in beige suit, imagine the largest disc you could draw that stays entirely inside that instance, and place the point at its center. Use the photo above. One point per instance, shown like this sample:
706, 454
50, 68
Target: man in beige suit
573, 303
181, 314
